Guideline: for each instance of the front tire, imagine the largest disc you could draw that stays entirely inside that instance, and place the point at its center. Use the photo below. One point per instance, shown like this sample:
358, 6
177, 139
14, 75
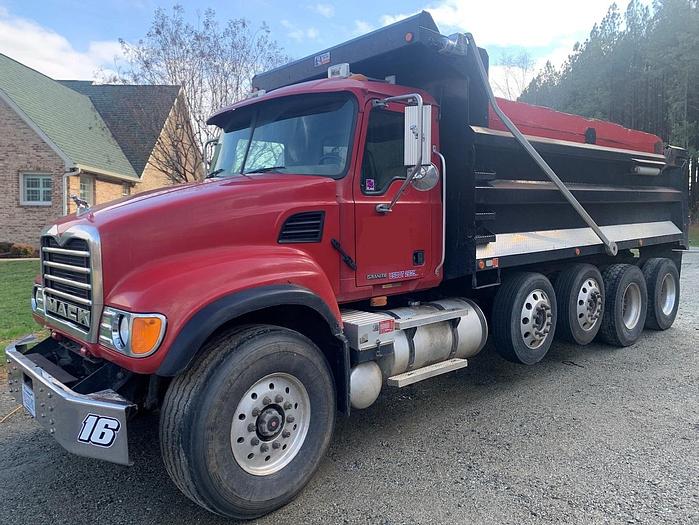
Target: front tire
245, 428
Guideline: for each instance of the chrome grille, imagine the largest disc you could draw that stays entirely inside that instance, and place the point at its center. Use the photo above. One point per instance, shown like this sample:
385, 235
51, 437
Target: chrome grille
67, 277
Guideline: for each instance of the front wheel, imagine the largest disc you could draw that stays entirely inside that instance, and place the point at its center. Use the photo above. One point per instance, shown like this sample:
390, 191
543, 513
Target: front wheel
246, 427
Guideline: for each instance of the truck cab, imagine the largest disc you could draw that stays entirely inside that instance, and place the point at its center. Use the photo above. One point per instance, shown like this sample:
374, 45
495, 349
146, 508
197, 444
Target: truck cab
339, 130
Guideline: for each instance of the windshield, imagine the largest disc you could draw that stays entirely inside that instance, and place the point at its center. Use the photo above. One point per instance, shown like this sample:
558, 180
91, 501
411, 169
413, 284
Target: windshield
307, 135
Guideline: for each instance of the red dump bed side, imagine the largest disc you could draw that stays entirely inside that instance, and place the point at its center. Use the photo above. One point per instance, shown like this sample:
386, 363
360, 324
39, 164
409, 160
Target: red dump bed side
539, 121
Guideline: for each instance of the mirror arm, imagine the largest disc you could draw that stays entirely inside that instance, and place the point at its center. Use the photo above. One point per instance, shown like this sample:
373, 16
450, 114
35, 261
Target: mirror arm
386, 208
207, 144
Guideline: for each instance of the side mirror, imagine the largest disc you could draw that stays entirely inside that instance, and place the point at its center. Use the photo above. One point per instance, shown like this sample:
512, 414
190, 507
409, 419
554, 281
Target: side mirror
418, 147
415, 137
209, 159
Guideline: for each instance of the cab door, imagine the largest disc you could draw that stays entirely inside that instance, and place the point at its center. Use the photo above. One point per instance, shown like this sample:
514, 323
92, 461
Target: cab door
397, 246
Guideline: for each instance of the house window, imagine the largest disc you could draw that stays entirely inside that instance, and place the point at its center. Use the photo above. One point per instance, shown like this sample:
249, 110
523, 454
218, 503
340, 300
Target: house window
36, 189
87, 189
125, 189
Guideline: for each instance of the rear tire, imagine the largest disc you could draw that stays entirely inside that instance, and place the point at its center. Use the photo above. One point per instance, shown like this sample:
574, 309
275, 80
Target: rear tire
663, 282
625, 306
224, 422
524, 318
580, 299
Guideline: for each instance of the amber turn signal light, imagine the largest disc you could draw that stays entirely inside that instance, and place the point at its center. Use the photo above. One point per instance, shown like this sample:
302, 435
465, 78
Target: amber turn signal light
145, 334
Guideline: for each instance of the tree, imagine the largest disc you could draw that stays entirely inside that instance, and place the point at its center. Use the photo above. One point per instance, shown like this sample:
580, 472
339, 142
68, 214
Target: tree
213, 62
517, 72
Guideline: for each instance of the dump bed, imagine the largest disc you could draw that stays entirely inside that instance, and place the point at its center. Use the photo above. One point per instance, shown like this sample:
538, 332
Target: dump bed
500, 205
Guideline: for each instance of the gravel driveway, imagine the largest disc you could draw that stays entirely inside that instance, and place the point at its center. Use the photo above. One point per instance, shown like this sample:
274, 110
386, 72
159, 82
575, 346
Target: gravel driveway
593, 435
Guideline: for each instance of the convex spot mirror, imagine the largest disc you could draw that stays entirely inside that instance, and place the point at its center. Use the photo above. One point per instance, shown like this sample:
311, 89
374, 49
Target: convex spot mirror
426, 178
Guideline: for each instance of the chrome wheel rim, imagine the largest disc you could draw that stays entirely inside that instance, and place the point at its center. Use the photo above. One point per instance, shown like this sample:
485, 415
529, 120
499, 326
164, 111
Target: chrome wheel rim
270, 424
631, 309
589, 304
668, 294
535, 319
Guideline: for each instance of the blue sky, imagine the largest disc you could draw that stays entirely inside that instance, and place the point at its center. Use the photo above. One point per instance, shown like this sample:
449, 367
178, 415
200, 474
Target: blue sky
72, 38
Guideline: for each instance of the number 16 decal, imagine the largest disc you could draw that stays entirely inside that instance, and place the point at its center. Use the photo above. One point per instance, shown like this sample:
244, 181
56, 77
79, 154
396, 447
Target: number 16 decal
99, 430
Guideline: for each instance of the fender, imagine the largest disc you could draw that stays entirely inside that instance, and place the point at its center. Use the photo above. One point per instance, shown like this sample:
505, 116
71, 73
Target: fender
207, 320
182, 286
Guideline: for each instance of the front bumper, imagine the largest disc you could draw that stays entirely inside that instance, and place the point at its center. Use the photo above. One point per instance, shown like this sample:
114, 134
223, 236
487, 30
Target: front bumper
91, 425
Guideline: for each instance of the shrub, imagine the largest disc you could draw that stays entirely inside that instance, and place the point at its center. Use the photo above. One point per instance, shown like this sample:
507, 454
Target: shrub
23, 250
5, 247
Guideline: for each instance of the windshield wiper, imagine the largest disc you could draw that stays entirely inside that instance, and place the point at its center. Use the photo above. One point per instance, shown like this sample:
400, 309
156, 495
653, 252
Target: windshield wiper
214, 173
265, 170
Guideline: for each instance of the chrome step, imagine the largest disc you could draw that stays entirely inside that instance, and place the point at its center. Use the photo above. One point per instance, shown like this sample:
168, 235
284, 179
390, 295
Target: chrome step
414, 376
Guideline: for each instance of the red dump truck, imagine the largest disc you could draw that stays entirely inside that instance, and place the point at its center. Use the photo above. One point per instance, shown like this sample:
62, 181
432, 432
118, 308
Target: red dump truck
371, 215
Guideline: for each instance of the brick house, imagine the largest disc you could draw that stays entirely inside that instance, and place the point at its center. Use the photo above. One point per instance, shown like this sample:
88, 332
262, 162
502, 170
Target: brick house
63, 138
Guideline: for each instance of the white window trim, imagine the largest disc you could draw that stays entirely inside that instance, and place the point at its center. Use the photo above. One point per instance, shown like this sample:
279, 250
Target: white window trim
91, 185
23, 202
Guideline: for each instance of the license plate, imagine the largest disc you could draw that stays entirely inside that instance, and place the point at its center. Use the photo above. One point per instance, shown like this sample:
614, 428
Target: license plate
28, 398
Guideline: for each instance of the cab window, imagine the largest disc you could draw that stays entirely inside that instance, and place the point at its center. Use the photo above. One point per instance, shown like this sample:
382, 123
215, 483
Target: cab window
383, 152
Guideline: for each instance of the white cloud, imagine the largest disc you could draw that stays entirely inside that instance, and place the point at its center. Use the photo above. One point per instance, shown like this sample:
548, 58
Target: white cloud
326, 10
362, 27
298, 33
50, 53
536, 23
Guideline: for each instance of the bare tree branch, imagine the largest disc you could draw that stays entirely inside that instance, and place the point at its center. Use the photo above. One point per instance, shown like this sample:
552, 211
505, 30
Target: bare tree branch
518, 70
214, 64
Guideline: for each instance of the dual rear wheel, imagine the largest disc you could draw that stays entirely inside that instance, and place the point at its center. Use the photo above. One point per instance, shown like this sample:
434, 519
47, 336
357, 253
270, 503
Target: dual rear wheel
584, 304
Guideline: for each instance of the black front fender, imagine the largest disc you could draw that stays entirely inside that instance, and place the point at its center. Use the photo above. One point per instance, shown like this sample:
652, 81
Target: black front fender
210, 318
214, 315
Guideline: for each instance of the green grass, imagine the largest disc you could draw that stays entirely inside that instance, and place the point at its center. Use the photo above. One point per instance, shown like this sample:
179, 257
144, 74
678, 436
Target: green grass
16, 280
694, 234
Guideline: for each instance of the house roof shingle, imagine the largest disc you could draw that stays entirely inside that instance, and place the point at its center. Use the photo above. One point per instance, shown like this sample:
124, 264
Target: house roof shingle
135, 114
68, 118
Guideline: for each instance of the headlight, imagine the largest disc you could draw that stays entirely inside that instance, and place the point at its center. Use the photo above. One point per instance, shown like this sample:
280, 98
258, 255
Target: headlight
136, 335
123, 329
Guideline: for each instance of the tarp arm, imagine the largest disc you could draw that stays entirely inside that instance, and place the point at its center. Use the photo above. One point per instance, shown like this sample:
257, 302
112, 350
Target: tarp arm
610, 246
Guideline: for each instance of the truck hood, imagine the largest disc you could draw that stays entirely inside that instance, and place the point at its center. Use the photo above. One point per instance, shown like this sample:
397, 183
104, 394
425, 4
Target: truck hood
219, 213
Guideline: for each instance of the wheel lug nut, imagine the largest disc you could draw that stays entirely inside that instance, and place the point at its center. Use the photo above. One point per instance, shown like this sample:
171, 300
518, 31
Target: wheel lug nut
276, 445
266, 401
278, 399
255, 412
264, 448
289, 419
251, 427
254, 442
286, 434
287, 406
